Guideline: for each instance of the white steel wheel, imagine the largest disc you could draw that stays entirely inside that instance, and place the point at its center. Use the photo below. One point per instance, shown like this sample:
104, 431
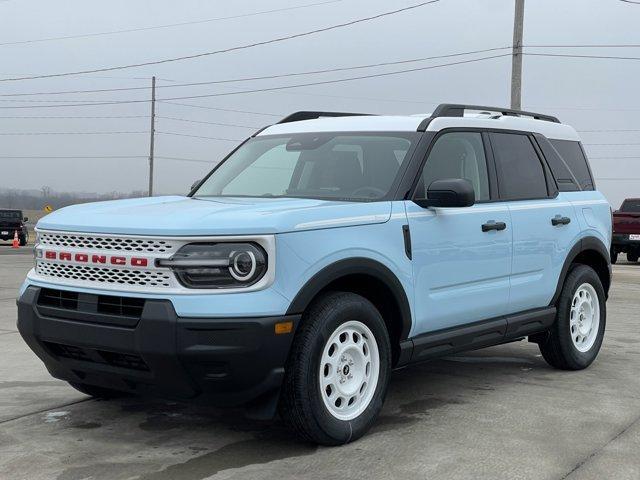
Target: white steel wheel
584, 318
349, 370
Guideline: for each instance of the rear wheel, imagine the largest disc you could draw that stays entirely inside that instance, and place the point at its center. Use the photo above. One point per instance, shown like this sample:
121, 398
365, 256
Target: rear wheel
632, 257
97, 392
573, 342
338, 370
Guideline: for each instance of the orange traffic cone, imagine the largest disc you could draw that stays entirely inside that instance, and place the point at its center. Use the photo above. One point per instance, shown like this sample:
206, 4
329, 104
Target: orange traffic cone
16, 242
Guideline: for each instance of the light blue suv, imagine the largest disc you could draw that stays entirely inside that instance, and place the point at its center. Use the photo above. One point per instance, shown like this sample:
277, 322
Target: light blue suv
322, 253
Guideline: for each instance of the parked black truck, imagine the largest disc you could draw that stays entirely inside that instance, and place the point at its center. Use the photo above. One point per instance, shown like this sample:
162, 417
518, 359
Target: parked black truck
12, 221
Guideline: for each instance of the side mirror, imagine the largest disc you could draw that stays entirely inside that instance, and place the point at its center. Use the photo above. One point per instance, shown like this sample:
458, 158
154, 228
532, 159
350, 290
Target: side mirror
25, 219
449, 192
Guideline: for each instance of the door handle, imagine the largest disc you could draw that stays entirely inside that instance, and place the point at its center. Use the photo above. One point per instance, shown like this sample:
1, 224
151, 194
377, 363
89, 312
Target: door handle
560, 220
491, 225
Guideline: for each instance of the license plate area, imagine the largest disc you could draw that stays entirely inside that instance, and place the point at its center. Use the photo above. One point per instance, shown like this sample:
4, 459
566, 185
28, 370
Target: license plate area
634, 236
4, 232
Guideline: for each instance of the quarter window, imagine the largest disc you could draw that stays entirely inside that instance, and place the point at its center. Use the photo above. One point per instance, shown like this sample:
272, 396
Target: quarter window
573, 156
520, 172
457, 155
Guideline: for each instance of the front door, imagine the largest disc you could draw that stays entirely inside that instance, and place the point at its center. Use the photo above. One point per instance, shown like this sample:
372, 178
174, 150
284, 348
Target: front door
461, 256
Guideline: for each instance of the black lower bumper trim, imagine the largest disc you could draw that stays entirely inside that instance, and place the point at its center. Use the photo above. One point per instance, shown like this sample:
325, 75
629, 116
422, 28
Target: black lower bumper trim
211, 360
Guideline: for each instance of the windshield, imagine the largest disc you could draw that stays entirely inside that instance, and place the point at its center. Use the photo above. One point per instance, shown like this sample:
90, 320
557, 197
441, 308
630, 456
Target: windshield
10, 215
351, 167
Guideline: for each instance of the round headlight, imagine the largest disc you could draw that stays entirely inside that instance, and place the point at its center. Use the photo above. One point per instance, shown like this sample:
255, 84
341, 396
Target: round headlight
242, 265
218, 265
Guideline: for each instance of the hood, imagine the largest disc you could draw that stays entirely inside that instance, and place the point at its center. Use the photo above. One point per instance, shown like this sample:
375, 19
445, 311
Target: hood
177, 215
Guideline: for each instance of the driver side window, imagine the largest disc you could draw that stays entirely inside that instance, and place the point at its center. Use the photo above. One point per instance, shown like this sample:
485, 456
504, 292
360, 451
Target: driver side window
457, 155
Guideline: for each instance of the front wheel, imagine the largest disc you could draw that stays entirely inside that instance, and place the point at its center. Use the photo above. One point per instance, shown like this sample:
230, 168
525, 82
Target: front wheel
573, 342
338, 370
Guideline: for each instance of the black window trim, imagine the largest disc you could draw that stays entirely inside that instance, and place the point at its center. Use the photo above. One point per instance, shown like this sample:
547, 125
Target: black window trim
488, 153
551, 186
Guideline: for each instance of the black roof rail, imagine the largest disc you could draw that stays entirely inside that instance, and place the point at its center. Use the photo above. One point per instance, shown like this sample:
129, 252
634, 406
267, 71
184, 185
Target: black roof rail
304, 115
457, 110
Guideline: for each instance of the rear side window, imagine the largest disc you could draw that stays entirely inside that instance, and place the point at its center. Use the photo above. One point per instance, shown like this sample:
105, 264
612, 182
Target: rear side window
573, 156
520, 172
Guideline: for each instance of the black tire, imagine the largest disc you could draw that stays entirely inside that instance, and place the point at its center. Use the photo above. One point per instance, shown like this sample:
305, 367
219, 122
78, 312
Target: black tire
301, 403
614, 257
632, 257
98, 392
23, 241
558, 348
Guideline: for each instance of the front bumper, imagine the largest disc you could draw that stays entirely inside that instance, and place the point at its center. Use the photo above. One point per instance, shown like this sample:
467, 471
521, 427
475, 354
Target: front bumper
219, 361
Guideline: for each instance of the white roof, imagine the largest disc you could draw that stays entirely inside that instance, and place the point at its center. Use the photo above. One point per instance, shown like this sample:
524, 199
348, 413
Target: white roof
409, 123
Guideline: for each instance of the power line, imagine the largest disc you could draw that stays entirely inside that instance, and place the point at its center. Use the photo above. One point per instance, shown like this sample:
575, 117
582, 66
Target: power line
96, 157
617, 178
207, 123
339, 80
610, 144
169, 25
226, 50
630, 1
566, 55
586, 45
75, 117
94, 104
608, 131
282, 87
198, 136
206, 107
181, 159
70, 157
69, 133
263, 77
48, 101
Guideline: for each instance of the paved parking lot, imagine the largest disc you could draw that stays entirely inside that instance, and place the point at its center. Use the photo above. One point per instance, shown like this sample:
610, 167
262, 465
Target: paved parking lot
499, 413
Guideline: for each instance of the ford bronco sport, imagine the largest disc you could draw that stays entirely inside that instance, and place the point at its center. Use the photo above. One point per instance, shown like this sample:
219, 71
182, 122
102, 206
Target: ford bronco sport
323, 252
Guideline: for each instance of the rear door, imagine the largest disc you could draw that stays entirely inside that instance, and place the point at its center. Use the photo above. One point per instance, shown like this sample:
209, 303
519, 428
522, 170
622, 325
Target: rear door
461, 270
544, 224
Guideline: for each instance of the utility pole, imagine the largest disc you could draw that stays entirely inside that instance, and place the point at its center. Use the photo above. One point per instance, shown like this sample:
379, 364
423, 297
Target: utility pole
153, 133
516, 61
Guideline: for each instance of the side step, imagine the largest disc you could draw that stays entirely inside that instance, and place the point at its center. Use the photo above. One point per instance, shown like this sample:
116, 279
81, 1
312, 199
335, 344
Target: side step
476, 335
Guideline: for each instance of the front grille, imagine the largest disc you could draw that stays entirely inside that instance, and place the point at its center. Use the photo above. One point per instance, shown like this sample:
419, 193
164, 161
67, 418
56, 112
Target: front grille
120, 306
99, 242
106, 276
89, 308
58, 299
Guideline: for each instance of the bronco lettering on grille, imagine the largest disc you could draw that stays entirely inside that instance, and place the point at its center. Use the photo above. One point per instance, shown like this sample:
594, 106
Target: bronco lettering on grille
96, 259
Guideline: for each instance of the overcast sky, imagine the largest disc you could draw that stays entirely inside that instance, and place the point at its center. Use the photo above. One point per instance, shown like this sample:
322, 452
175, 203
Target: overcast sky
589, 94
